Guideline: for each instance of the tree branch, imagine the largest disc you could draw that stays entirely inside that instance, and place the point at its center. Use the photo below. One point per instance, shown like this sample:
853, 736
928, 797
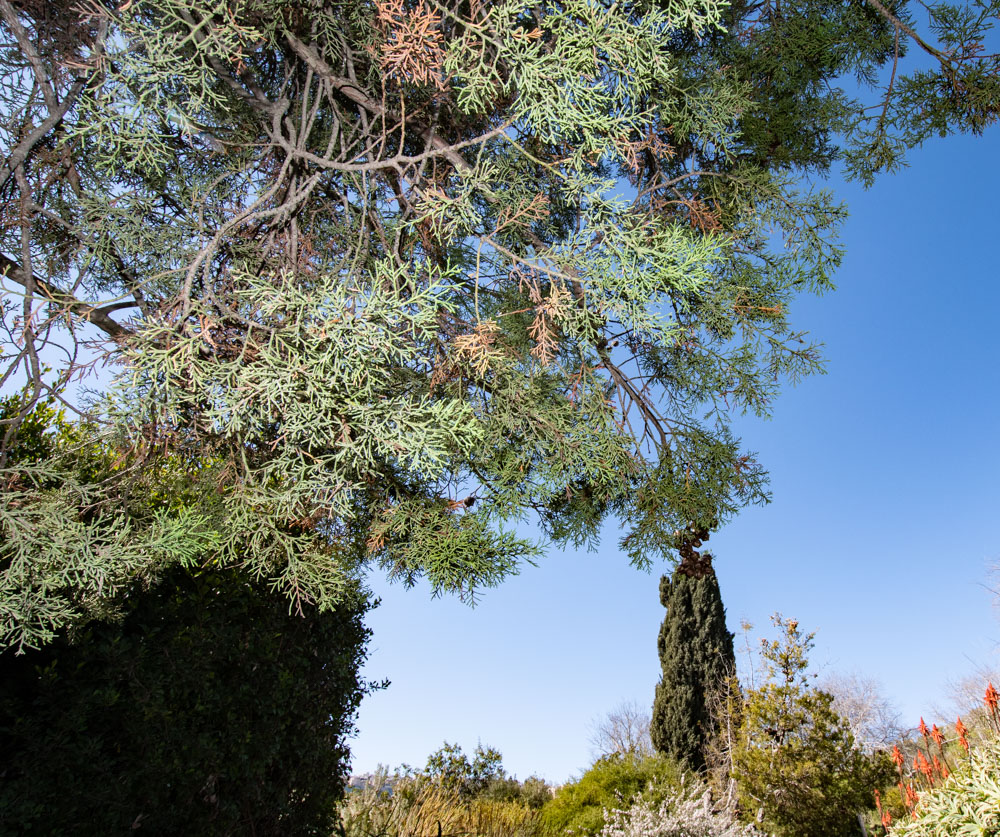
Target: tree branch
98, 315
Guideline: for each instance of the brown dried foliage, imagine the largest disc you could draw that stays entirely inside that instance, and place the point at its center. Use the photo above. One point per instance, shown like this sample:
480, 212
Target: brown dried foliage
412, 46
478, 348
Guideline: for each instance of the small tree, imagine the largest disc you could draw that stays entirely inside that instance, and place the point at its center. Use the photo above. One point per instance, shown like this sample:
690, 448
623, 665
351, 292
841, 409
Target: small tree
696, 655
624, 730
873, 720
450, 767
796, 763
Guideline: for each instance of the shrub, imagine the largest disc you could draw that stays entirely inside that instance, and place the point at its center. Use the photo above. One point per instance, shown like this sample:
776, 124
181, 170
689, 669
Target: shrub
208, 710
967, 803
451, 768
796, 762
579, 807
686, 813
953, 786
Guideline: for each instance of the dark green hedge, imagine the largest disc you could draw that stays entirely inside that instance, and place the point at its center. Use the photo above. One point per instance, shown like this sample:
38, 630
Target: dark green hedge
209, 709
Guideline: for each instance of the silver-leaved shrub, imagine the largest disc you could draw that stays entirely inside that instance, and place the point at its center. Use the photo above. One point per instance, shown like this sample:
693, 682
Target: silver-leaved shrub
688, 813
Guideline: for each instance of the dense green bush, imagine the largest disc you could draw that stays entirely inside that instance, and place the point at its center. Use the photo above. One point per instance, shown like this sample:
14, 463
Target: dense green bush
453, 770
532, 792
208, 710
612, 782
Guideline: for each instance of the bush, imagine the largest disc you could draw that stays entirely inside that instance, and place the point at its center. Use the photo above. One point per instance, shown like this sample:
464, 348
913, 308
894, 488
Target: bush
953, 786
579, 807
209, 709
451, 768
687, 813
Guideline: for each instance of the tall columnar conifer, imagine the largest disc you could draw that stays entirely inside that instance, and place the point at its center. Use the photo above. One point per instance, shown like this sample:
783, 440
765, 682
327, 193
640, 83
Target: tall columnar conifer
696, 656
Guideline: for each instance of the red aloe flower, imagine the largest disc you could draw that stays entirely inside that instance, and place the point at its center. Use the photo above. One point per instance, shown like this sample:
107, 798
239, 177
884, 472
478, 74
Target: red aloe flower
923, 728
886, 819
897, 756
912, 797
992, 698
937, 735
961, 730
923, 766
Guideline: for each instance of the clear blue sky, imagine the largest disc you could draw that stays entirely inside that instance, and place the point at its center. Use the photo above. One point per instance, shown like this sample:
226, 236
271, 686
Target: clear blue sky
880, 535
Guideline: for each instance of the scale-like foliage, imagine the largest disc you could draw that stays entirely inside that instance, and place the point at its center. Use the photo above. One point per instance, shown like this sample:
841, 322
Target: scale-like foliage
400, 273
696, 660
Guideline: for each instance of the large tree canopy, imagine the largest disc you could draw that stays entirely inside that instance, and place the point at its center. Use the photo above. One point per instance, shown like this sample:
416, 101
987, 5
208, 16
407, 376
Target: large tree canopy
386, 277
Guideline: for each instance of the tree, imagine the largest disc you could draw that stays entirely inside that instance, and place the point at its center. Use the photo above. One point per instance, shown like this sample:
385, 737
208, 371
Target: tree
52, 538
696, 658
623, 731
796, 764
959, 92
370, 265
451, 768
208, 709
873, 720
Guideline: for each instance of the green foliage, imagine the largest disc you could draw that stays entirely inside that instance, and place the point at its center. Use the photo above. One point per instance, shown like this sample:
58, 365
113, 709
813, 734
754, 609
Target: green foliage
968, 803
959, 92
383, 281
207, 709
696, 659
370, 276
953, 786
63, 560
451, 768
483, 778
580, 807
796, 763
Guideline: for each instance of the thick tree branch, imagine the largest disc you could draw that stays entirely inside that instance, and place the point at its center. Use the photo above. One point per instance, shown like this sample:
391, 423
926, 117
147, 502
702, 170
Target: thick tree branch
353, 92
98, 315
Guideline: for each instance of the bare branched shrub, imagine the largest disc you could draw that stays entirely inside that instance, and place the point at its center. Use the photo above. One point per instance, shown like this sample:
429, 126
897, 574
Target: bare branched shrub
873, 720
624, 730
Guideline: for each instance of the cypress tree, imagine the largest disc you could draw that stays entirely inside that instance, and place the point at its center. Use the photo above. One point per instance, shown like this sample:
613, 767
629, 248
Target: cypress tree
696, 656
